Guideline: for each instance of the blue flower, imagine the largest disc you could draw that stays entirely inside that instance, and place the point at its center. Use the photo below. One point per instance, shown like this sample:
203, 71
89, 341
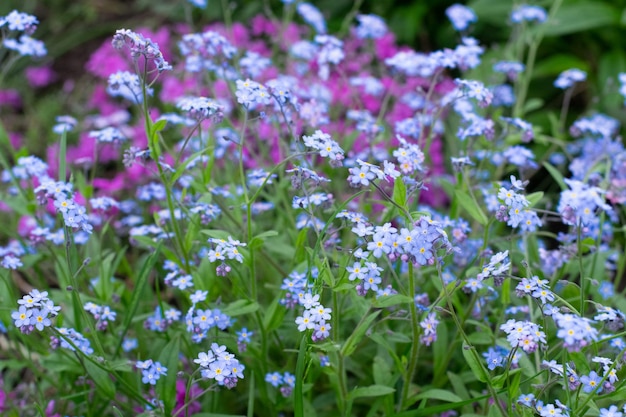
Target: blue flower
460, 16
570, 77
591, 382
274, 378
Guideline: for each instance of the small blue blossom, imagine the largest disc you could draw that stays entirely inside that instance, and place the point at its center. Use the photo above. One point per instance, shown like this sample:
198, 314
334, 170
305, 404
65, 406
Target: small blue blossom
570, 77
460, 16
370, 26
311, 15
526, 13
591, 382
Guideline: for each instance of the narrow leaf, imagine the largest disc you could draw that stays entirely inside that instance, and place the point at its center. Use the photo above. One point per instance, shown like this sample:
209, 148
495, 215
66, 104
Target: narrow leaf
399, 192
466, 201
473, 363
558, 177
101, 379
358, 334
167, 383
437, 394
298, 399
142, 278
371, 391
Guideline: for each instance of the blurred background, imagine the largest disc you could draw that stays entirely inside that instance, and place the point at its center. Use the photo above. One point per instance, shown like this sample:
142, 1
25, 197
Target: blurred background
587, 34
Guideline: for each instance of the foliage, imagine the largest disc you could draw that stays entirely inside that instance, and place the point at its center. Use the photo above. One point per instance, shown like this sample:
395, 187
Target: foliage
289, 214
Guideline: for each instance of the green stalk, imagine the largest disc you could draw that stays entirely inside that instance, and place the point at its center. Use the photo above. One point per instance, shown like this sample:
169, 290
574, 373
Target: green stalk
530, 61
415, 344
153, 142
477, 357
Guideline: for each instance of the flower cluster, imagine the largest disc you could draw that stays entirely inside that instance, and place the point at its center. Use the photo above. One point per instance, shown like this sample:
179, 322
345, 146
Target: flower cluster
418, 244
515, 209
34, 312
200, 108
366, 172
23, 25
536, 288
71, 339
74, 214
524, 334
199, 322
220, 365
326, 146
285, 381
151, 371
315, 317
102, 314
223, 250
140, 46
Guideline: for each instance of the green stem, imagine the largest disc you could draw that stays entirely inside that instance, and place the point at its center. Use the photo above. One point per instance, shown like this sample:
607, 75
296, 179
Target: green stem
477, 357
415, 342
530, 62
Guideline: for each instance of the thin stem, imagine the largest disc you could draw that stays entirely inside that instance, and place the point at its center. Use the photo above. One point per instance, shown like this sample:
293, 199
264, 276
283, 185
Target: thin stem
416, 344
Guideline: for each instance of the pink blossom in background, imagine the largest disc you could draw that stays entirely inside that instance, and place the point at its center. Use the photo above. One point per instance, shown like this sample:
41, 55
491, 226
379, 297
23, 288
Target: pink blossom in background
25, 225
261, 25
182, 395
105, 61
10, 98
386, 46
173, 89
16, 140
39, 77
102, 102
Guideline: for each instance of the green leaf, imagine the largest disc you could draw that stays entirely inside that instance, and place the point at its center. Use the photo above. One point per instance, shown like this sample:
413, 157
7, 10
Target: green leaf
581, 16
240, 307
474, 210
371, 391
494, 412
140, 284
399, 192
553, 65
391, 300
167, 384
300, 245
437, 394
513, 387
381, 371
475, 366
498, 381
534, 198
532, 105
62, 156
556, 174
493, 11
358, 334
257, 241
431, 411
298, 398
480, 338
101, 378
611, 64
273, 316
458, 385
182, 166
158, 126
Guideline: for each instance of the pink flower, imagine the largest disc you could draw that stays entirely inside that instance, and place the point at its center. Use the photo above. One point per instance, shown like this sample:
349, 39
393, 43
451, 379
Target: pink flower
40, 76
25, 225
10, 98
